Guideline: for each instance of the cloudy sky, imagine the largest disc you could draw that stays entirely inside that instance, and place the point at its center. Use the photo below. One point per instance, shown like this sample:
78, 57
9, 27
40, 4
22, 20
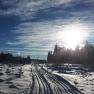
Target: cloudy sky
32, 27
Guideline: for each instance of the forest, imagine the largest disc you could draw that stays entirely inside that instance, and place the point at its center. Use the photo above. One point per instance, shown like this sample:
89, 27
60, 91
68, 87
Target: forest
9, 58
83, 55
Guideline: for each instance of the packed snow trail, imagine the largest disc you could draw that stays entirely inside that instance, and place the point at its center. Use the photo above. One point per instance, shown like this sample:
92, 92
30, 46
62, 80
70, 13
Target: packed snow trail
45, 82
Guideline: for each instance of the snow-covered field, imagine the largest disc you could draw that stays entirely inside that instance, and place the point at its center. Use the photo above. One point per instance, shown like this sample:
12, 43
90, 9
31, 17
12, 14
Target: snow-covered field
14, 78
78, 75
17, 79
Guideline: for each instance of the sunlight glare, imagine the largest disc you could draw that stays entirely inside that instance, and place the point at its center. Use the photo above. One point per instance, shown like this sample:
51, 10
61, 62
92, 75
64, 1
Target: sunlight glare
72, 35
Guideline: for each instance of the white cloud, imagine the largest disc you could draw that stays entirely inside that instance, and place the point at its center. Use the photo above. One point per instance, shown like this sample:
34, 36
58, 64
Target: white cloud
26, 8
41, 34
38, 38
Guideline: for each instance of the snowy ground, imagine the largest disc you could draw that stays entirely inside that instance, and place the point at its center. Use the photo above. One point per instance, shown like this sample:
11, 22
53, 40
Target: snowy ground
77, 73
14, 78
17, 79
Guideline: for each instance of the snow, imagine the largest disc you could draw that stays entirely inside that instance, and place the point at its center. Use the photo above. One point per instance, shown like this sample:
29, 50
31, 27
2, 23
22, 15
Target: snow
85, 83
16, 80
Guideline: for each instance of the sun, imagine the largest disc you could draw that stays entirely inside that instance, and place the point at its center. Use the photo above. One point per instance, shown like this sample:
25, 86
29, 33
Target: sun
72, 35
72, 39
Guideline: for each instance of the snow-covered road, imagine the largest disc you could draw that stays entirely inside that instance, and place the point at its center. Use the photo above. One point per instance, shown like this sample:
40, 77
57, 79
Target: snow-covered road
45, 82
33, 79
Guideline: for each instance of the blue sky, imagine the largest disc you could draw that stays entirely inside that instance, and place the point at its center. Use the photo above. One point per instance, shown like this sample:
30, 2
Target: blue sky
30, 27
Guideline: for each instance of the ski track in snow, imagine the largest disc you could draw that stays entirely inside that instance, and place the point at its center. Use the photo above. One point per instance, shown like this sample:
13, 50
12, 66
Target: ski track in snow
46, 83
39, 81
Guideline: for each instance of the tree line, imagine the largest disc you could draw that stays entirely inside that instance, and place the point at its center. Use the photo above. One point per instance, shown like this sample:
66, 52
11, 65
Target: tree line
9, 58
83, 54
